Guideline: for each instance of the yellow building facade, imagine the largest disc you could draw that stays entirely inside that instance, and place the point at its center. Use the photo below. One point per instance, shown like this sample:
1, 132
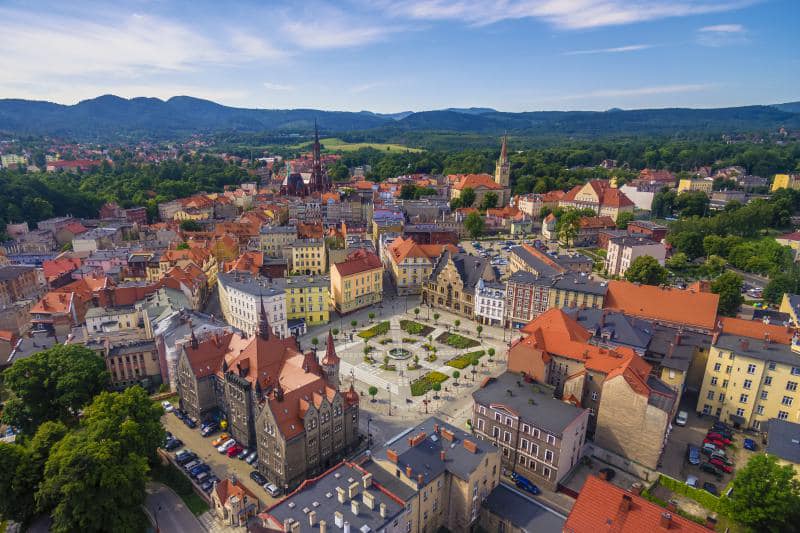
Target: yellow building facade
785, 181
357, 282
308, 298
690, 185
309, 257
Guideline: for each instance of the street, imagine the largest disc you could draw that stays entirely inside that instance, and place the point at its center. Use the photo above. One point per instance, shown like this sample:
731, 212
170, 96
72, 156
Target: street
168, 512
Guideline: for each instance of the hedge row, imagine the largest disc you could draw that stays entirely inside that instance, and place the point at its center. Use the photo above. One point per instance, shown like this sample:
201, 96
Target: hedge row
464, 360
381, 328
425, 383
704, 498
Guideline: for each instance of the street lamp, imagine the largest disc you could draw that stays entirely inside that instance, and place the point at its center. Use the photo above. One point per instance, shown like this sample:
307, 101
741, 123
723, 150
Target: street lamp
369, 433
389, 390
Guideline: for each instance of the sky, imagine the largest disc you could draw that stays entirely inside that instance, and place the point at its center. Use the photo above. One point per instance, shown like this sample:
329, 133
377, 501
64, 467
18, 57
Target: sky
390, 56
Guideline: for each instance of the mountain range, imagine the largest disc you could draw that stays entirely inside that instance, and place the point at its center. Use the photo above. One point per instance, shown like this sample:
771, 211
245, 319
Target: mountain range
110, 117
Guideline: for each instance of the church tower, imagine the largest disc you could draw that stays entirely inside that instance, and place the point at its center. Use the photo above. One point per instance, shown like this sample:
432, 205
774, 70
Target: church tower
317, 182
330, 364
502, 171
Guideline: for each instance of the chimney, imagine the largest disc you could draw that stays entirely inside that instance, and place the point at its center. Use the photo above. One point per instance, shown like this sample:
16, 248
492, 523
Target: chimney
341, 494
287, 524
744, 344
672, 506
323, 526
637, 488
391, 455
420, 479
352, 490
678, 338
625, 504
470, 446
312, 518
711, 523
443, 455
383, 510
369, 500
366, 481
409, 471
346, 528
354, 505
666, 520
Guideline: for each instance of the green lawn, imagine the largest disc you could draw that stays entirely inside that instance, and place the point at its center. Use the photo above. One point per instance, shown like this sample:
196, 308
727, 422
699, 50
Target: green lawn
170, 476
334, 144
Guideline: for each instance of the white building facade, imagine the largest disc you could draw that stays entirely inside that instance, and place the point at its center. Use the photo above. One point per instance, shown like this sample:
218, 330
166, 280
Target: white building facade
490, 303
240, 298
622, 251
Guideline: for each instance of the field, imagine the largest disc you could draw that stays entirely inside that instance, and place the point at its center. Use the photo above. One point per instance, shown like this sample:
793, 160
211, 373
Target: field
333, 144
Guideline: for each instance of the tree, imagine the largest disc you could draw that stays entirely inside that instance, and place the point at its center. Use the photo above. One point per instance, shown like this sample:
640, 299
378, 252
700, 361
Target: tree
190, 225
373, 390
437, 388
491, 353
371, 316
479, 328
54, 384
623, 219
679, 261
489, 200
467, 197
457, 323
474, 224
645, 269
315, 342
353, 323
780, 284
335, 332
338, 171
416, 312
729, 287
714, 265
766, 496
474, 362
692, 203
568, 225
436, 317
93, 485
688, 242
663, 203
456, 375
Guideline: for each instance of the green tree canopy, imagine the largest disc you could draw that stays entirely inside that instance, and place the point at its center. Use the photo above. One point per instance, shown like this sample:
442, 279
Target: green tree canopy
53, 384
646, 269
467, 197
474, 225
190, 225
489, 200
766, 496
623, 219
729, 287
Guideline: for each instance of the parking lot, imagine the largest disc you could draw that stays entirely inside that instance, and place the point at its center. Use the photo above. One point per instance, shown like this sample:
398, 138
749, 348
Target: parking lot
497, 251
221, 465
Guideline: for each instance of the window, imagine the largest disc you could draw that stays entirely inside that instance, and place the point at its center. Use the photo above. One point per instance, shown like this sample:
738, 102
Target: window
551, 439
713, 381
482, 410
710, 395
546, 472
536, 433
534, 449
740, 412
771, 365
760, 410
523, 443
526, 428
783, 415
725, 384
480, 424
787, 400
722, 396
795, 371
768, 380
764, 395
717, 366
548, 456
747, 384
506, 436
495, 432
497, 417
743, 398
522, 460
509, 422
791, 386
706, 409
751, 369
728, 369
594, 396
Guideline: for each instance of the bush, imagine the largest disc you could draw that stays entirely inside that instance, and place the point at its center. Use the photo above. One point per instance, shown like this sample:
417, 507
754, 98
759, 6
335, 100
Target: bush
409, 340
427, 347
385, 341
381, 328
415, 328
457, 341
425, 383
706, 499
464, 360
431, 358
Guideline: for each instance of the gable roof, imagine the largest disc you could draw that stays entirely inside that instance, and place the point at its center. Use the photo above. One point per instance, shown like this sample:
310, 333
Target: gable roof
603, 507
670, 305
358, 261
756, 329
607, 196
475, 181
403, 247
469, 267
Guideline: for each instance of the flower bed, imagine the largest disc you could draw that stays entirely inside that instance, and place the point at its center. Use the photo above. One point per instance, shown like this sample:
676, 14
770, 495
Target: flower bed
425, 383
463, 361
409, 340
381, 328
415, 328
457, 341
385, 341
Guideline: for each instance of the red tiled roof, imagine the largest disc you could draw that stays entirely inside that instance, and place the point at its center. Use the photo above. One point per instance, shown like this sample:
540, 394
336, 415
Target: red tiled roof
474, 181
755, 329
603, 507
607, 195
54, 303
401, 247
227, 488
596, 222
676, 306
359, 261
206, 359
56, 268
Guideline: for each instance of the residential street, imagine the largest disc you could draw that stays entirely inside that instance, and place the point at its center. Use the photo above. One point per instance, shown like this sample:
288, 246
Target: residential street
168, 511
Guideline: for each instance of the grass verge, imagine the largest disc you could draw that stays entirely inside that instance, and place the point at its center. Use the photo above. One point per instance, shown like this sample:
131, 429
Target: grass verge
170, 476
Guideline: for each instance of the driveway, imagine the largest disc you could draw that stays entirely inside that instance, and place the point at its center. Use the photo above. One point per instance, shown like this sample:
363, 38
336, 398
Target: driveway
167, 510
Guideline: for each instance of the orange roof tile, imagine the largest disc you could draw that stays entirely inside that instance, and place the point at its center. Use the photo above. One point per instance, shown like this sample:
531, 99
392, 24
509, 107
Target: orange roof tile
755, 329
54, 303
474, 181
675, 306
56, 268
226, 488
596, 222
607, 195
357, 262
401, 247
604, 507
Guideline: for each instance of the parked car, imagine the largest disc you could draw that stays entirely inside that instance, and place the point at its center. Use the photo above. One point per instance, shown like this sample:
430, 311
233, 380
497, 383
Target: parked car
242, 455
173, 444
525, 484
750, 444
272, 489
719, 463
202, 476
609, 473
190, 422
179, 454
691, 481
693, 454
209, 429
252, 458
191, 464
722, 457
258, 477
178, 414
710, 488
711, 469
720, 425
234, 450
186, 459
716, 442
225, 446
724, 431
208, 483
196, 471
720, 438
167, 406
219, 441
709, 448
682, 418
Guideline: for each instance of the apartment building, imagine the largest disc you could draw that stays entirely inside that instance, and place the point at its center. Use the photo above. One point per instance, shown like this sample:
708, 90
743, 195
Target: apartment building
18, 282
542, 262
539, 436
410, 264
599, 196
705, 185
623, 251
752, 374
309, 256
357, 282
308, 300
490, 302
241, 295
275, 241
451, 285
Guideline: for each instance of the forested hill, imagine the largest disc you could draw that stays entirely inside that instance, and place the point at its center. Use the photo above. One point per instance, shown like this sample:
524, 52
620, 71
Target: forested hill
113, 118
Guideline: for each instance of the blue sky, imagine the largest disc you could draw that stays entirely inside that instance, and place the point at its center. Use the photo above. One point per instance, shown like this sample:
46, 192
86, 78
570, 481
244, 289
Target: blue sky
386, 56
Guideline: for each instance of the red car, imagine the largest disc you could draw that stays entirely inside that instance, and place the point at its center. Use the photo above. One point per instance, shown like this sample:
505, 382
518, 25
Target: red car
716, 442
717, 436
235, 450
719, 463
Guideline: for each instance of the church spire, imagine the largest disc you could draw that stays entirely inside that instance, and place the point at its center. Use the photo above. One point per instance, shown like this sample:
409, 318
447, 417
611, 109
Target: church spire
263, 323
194, 341
504, 148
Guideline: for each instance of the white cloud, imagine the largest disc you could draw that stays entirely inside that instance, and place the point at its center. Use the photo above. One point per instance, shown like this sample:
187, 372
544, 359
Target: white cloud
722, 35
639, 91
568, 14
615, 50
277, 86
358, 89
324, 27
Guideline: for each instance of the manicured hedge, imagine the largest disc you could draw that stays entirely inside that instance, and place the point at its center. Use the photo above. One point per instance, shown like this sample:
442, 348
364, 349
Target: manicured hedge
415, 328
464, 360
425, 383
704, 498
457, 341
381, 328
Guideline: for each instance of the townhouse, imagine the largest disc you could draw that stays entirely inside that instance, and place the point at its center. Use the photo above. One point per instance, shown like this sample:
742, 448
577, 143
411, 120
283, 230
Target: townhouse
623, 251
357, 282
451, 285
309, 256
409, 264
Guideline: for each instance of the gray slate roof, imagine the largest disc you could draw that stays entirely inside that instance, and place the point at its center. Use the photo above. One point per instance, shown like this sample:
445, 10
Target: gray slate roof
758, 349
470, 268
783, 440
522, 512
545, 413
625, 330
